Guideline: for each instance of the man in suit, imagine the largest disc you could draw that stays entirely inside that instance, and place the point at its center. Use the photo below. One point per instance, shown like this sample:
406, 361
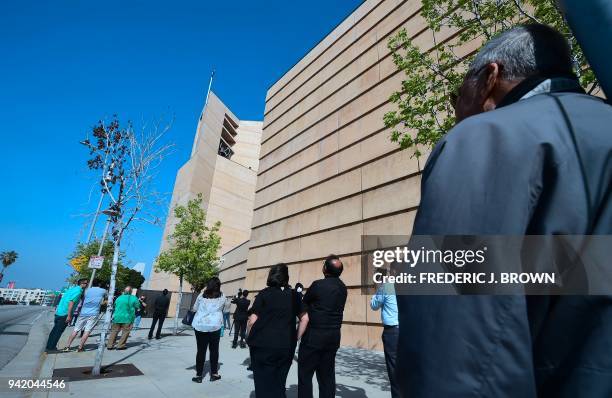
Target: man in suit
530, 155
241, 315
160, 310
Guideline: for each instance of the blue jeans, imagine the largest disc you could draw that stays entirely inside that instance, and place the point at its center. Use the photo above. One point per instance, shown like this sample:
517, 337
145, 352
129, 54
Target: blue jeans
137, 321
226, 320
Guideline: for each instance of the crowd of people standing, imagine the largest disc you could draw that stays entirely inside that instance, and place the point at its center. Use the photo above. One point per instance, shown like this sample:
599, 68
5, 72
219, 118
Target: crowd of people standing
81, 307
279, 317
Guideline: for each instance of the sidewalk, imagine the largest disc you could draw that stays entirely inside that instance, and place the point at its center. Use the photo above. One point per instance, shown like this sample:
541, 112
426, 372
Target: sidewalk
168, 366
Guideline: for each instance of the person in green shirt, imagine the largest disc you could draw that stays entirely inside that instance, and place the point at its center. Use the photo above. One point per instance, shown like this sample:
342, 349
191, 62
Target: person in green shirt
63, 313
126, 306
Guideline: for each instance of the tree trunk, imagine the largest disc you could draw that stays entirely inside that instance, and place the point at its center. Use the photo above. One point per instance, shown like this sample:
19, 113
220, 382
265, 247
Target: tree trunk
178, 305
107, 315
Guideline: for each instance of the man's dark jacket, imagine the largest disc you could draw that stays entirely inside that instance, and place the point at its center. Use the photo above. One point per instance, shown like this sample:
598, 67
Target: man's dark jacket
242, 308
161, 304
514, 171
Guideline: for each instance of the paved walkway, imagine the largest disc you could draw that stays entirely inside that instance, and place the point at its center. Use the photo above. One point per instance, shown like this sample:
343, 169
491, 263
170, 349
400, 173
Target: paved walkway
168, 365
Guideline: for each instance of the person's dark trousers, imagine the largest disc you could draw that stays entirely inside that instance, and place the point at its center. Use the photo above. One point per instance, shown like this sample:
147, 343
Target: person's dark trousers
390, 338
289, 360
203, 341
59, 325
239, 328
321, 361
157, 318
269, 371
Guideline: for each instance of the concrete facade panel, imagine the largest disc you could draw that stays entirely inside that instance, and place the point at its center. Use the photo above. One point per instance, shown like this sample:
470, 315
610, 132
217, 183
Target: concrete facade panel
389, 168
325, 192
391, 198
297, 143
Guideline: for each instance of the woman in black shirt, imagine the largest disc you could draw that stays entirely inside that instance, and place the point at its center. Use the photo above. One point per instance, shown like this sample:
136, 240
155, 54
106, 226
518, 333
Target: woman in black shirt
273, 334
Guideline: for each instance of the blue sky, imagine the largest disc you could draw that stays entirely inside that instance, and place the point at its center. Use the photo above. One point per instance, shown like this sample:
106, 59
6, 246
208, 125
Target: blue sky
66, 64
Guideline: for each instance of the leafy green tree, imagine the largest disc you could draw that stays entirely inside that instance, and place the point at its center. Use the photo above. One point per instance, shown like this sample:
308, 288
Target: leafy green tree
192, 255
8, 258
125, 276
424, 113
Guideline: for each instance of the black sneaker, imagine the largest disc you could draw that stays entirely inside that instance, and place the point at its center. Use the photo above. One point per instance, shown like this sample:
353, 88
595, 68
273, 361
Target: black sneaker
197, 379
234, 345
215, 377
242, 345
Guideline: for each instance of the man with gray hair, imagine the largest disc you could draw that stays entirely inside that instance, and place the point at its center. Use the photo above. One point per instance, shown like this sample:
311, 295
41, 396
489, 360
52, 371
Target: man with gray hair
531, 155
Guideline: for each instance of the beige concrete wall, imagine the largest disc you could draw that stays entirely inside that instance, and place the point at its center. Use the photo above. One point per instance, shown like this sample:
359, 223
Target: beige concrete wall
233, 189
227, 186
328, 173
233, 270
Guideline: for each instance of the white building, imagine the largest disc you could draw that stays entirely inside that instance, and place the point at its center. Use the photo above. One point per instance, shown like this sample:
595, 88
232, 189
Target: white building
26, 296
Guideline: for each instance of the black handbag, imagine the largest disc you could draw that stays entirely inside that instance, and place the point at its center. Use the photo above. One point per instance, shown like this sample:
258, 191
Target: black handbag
188, 318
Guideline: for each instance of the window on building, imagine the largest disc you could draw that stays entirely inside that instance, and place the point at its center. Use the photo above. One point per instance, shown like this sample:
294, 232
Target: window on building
225, 149
228, 132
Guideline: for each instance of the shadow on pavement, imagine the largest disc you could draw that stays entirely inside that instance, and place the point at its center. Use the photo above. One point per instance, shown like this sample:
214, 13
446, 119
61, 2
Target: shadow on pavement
342, 391
14, 333
364, 365
143, 346
206, 368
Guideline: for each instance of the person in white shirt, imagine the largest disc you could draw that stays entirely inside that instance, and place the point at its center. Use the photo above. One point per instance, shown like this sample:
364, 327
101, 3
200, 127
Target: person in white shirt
90, 314
207, 323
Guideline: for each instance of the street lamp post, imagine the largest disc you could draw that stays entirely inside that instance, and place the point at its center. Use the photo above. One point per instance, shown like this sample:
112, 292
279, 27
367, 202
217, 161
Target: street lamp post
108, 222
111, 295
95, 219
97, 213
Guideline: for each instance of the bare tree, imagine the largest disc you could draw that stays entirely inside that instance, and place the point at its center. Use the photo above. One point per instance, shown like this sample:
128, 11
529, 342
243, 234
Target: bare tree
127, 161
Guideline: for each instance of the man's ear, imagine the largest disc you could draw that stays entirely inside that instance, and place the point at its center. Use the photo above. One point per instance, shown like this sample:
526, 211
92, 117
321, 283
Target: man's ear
490, 79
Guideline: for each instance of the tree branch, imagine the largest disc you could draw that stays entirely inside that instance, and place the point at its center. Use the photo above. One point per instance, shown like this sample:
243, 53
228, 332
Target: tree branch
518, 5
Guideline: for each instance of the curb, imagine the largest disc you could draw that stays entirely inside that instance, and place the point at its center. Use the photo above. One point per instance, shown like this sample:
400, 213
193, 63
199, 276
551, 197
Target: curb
28, 361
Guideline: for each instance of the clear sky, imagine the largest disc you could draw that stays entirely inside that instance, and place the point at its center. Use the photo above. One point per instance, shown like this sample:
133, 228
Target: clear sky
66, 64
